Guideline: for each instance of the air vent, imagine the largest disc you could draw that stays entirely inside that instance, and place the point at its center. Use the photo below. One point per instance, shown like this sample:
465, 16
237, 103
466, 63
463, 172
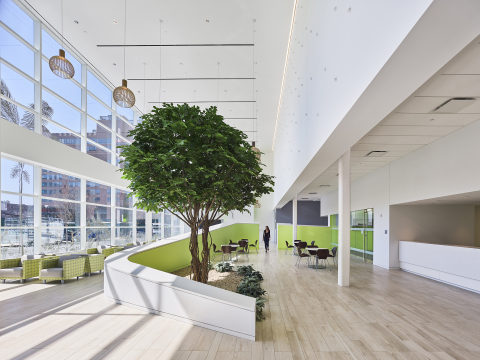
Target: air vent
454, 105
376, 153
324, 185
304, 198
312, 193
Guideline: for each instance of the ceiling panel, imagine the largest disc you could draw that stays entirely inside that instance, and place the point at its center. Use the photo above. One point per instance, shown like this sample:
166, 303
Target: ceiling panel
421, 104
413, 130
398, 140
430, 119
452, 86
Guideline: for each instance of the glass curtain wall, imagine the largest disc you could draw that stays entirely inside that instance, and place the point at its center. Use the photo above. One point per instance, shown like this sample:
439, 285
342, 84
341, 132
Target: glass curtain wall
49, 211
78, 113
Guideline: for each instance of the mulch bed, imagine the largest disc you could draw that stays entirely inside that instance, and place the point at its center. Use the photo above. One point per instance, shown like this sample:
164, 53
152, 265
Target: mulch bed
226, 280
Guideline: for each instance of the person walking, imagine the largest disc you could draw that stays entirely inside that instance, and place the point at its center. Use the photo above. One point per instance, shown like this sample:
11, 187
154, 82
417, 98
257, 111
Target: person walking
266, 238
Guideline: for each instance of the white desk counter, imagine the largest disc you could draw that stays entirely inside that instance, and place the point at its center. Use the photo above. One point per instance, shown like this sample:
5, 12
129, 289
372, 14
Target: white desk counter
455, 265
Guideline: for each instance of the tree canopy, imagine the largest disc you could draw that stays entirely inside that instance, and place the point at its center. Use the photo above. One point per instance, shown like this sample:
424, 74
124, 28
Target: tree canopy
182, 156
191, 162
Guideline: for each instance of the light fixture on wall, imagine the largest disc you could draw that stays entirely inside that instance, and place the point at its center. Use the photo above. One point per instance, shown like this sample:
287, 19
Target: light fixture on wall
122, 95
59, 65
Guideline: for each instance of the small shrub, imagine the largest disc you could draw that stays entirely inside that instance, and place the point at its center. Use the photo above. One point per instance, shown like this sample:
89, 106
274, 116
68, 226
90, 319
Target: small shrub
223, 267
249, 271
245, 269
259, 305
250, 287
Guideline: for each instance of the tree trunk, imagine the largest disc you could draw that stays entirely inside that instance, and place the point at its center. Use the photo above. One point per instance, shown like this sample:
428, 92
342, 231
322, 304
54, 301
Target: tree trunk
205, 252
194, 251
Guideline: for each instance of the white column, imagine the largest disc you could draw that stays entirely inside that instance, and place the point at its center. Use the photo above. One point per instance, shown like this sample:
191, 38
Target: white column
344, 220
294, 218
37, 209
148, 226
83, 213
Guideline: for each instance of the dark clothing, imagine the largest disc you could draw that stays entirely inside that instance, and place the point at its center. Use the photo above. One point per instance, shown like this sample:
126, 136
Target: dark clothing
266, 238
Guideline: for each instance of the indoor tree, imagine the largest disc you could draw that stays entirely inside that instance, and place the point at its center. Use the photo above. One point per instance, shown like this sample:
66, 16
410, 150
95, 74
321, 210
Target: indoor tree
191, 162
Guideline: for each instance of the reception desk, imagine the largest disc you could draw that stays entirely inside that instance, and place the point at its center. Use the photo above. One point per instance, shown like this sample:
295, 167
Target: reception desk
455, 265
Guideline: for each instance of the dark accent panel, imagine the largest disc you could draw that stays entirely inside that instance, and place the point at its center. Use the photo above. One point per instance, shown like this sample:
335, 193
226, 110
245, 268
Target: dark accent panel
284, 215
308, 214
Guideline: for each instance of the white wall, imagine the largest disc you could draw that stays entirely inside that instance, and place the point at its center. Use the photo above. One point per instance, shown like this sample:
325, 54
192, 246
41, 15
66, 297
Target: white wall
367, 58
265, 215
448, 166
435, 224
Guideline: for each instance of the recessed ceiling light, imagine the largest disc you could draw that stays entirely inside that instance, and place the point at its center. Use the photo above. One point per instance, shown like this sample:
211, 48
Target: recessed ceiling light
181, 63
114, 21
465, 197
139, 92
114, 64
75, 21
431, 119
207, 20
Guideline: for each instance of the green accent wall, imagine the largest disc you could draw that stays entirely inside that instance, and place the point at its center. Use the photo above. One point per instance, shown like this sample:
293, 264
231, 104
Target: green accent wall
176, 255
322, 235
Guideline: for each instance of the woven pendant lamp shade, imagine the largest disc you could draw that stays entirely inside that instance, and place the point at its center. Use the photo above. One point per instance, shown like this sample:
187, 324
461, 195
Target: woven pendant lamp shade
123, 96
257, 150
60, 66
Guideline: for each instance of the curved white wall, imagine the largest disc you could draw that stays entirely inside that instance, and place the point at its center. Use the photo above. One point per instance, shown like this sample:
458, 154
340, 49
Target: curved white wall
176, 297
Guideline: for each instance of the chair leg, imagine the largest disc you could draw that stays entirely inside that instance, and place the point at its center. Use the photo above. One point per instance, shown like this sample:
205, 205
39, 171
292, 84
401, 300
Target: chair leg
44, 281
21, 281
61, 281
3, 281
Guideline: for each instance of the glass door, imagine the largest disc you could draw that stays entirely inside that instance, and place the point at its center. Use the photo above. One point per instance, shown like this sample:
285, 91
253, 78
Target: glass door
368, 235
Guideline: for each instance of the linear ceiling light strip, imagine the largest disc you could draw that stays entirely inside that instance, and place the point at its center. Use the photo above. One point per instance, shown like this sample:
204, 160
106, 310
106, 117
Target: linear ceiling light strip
284, 71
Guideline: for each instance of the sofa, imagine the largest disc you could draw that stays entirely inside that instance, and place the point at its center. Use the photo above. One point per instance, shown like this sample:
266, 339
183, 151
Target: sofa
21, 268
62, 268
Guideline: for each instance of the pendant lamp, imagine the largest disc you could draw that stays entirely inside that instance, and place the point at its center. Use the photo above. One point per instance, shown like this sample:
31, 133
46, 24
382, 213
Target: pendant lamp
257, 150
122, 95
59, 65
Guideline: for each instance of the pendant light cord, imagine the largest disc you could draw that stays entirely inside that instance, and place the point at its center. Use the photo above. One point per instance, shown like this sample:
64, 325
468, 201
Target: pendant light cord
218, 81
160, 78
124, 39
61, 7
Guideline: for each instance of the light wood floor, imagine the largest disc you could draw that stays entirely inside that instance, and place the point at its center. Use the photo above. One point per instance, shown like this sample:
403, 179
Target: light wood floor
382, 315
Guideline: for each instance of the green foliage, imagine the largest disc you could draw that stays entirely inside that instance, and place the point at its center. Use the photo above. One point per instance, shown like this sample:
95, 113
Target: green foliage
250, 272
183, 157
250, 287
259, 305
223, 267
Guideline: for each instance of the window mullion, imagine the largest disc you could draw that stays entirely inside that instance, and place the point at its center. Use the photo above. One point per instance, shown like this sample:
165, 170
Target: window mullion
38, 76
18, 37
83, 213
84, 109
37, 209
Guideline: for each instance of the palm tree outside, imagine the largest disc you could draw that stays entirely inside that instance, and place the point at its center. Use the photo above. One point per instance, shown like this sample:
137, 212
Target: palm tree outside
19, 172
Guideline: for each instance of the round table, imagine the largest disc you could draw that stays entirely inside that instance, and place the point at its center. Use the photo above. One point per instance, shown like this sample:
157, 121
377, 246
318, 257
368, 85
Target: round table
234, 248
316, 258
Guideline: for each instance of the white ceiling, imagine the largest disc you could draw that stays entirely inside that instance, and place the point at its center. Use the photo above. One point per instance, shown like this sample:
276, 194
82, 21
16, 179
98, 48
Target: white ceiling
413, 124
471, 198
185, 22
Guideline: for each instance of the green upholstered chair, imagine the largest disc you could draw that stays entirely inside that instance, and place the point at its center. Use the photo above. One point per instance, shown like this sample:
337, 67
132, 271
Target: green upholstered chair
102, 249
63, 268
93, 262
20, 268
